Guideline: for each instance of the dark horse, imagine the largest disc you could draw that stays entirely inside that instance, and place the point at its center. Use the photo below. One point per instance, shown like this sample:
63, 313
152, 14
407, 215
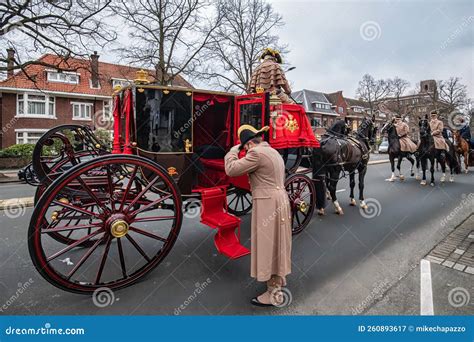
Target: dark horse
342, 153
427, 151
394, 151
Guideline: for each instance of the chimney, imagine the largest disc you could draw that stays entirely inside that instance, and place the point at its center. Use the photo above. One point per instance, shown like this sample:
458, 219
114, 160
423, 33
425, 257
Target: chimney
95, 70
10, 61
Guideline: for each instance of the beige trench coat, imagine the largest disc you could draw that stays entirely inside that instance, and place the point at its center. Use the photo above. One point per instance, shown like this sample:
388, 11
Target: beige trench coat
271, 214
436, 127
406, 145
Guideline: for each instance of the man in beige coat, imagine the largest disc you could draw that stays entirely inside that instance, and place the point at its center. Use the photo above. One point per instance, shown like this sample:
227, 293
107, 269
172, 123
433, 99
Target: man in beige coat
271, 213
436, 127
406, 145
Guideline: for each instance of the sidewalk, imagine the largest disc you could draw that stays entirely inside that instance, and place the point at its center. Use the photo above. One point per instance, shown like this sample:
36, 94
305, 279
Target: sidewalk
8, 176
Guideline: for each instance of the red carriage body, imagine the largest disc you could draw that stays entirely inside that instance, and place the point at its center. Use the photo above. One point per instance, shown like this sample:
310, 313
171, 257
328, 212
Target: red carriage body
168, 148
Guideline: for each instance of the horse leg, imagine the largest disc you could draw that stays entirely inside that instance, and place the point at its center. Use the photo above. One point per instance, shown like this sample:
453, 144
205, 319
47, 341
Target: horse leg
332, 190
424, 162
392, 163
417, 157
352, 184
466, 161
362, 172
432, 167
441, 158
412, 162
399, 167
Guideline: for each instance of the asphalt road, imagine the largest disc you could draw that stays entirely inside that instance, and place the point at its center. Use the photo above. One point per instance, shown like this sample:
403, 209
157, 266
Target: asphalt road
341, 264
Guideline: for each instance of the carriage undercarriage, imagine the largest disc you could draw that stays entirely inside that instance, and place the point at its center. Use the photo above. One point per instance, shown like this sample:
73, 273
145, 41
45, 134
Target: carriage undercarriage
106, 219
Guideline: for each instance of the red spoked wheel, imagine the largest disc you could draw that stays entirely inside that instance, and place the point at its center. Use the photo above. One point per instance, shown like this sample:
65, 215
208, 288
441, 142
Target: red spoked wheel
302, 195
239, 202
126, 211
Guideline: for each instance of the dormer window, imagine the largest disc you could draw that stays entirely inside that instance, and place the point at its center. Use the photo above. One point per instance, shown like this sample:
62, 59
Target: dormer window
63, 77
122, 82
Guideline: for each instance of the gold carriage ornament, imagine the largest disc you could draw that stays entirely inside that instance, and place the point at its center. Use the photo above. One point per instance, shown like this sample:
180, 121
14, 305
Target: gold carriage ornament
141, 77
259, 90
291, 123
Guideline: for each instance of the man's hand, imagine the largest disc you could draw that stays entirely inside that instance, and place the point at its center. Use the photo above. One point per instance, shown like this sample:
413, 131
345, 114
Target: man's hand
235, 148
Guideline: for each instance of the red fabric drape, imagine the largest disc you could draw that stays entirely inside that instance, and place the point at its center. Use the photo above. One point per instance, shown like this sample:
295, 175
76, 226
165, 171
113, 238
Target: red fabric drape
117, 129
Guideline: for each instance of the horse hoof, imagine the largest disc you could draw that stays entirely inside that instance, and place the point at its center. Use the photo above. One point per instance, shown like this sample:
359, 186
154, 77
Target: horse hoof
451, 179
321, 212
364, 206
466, 171
423, 183
432, 184
339, 211
353, 202
412, 175
442, 180
402, 178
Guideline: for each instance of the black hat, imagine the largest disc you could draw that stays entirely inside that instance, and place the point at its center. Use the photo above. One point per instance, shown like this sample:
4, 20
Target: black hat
248, 132
398, 116
272, 52
434, 112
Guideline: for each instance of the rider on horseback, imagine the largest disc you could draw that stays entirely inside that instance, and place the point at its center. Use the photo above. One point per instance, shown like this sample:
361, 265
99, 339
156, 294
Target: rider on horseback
465, 131
406, 144
436, 127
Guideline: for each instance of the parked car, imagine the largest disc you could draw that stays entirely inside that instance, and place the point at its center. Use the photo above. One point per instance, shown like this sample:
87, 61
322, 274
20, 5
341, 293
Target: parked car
383, 147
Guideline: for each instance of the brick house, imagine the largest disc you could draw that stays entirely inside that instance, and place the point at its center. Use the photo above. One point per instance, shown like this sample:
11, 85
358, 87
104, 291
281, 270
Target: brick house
40, 98
317, 106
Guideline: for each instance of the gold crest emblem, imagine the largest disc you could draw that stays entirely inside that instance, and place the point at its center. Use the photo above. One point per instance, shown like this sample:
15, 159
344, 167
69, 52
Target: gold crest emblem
291, 124
172, 171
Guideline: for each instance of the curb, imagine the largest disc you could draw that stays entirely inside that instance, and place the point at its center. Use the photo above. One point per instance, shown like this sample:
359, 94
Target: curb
375, 162
23, 202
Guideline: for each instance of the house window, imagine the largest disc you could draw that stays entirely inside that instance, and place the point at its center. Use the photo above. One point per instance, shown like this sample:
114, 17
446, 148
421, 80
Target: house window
81, 111
28, 137
107, 110
35, 105
63, 77
315, 122
340, 110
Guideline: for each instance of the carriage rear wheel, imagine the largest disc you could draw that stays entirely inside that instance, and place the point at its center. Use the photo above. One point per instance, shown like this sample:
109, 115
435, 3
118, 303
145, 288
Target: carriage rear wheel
239, 202
302, 195
127, 209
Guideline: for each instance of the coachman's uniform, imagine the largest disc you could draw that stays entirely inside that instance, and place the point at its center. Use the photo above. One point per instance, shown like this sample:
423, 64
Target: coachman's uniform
436, 127
406, 145
269, 76
271, 215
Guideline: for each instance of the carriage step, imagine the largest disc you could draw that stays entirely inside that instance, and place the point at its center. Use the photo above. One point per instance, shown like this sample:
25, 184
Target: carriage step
214, 214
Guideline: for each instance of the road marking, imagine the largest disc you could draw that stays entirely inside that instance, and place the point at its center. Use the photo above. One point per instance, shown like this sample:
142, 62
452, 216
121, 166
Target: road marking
426, 289
340, 190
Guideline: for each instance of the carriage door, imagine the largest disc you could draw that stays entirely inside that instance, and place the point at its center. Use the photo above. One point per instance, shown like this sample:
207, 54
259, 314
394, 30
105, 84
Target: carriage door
251, 109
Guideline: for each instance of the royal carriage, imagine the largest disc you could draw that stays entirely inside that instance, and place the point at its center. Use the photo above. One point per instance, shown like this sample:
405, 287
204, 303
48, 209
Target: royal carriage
105, 217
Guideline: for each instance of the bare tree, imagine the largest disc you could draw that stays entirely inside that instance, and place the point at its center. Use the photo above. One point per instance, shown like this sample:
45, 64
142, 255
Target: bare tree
398, 87
453, 93
372, 91
167, 35
67, 28
247, 28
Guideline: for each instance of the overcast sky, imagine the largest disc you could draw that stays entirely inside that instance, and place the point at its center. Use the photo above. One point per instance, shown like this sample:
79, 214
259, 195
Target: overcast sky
333, 43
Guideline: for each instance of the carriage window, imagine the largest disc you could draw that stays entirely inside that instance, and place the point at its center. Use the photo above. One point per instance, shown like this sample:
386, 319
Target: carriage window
251, 114
163, 121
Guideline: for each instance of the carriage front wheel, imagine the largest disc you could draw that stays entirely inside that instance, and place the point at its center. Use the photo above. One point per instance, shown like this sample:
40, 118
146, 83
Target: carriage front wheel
302, 195
127, 209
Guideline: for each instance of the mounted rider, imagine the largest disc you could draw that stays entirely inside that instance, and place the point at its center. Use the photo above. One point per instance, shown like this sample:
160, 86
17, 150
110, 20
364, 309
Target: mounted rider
269, 76
436, 127
465, 131
406, 144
